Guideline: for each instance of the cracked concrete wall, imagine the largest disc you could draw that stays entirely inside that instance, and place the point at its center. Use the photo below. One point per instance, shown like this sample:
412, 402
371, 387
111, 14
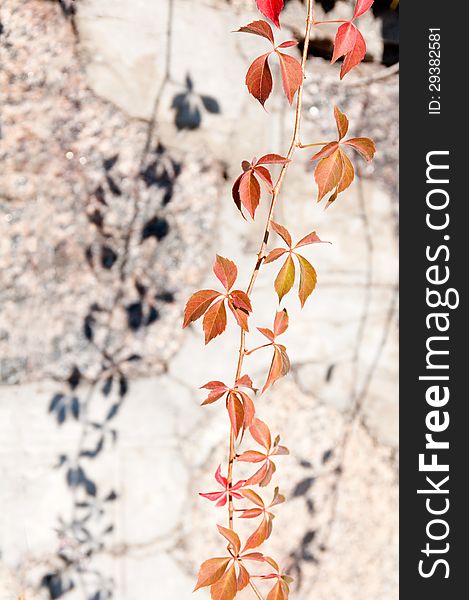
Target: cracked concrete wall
118, 147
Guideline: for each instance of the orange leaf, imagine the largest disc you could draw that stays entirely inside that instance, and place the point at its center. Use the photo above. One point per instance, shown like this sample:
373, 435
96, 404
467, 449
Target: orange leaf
244, 381
292, 75
278, 592
232, 538
261, 433
258, 537
308, 279
226, 587
268, 333
259, 78
282, 232
270, 470
210, 571
328, 173
249, 192
364, 146
251, 456
285, 278
342, 122
240, 315
279, 366
281, 322
274, 254
261, 28
198, 304
236, 413
348, 172
253, 497
243, 578
226, 271
326, 151
214, 321
249, 409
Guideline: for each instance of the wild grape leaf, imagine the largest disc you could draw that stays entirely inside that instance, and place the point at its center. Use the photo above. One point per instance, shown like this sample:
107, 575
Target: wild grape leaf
197, 304
250, 192
261, 433
362, 7
211, 571
292, 75
328, 174
240, 315
364, 146
214, 320
348, 172
265, 176
253, 497
217, 389
278, 592
282, 232
272, 159
350, 44
326, 151
243, 577
341, 121
232, 538
259, 27
308, 279
285, 278
226, 587
311, 238
274, 254
259, 78
258, 537
271, 9
226, 271
279, 366
236, 413
281, 322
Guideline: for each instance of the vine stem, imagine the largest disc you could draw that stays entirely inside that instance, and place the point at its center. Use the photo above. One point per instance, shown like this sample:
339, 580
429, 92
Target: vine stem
294, 144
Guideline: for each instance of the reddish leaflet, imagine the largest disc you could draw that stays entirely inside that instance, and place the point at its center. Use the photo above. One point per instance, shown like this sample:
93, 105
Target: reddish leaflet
243, 563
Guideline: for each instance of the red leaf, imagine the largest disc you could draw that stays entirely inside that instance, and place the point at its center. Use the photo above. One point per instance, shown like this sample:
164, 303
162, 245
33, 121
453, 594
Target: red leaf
326, 151
364, 146
282, 232
249, 409
348, 173
259, 78
272, 159
251, 513
342, 122
265, 176
292, 75
211, 571
235, 193
288, 44
243, 578
361, 7
241, 300
261, 433
271, 9
349, 43
270, 470
308, 279
285, 278
274, 254
249, 192
281, 322
311, 238
328, 174
226, 271
232, 538
244, 381
217, 390
197, 304
260, 27
226, 587
214, 321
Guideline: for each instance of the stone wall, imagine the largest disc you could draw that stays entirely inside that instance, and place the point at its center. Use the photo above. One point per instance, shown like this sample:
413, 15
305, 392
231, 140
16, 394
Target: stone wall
122, 127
